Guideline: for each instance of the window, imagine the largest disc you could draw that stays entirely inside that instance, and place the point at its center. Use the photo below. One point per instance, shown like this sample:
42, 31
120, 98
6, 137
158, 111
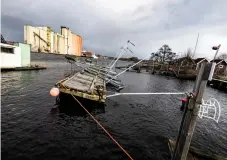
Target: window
7, 50
220, 66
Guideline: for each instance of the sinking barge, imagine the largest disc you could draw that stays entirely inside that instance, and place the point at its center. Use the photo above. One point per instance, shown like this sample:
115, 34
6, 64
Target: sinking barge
87, 86
84, 85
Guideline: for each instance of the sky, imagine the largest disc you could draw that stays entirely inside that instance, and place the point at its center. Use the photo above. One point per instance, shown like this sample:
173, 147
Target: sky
106, 25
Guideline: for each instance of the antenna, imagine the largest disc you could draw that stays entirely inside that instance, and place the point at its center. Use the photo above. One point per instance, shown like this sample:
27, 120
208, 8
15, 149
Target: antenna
131, 43
121, 53
196, 44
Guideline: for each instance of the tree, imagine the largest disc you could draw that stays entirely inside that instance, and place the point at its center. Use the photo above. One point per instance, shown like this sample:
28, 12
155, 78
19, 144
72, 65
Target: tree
189, 53
163, 54
223, 56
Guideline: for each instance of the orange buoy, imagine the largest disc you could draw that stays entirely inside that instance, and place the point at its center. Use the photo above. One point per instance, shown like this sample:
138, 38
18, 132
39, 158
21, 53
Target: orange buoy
54, 92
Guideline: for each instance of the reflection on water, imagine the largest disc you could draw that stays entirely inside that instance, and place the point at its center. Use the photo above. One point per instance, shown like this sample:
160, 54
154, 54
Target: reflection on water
33, 127
68, 105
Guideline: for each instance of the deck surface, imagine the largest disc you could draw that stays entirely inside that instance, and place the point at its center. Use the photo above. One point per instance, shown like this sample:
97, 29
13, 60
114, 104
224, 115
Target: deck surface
86, 85
83, 82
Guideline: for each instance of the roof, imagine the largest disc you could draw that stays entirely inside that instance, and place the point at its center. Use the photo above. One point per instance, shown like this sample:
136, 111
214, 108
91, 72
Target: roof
180, 60
77, 35
217, 61
7, 45
185, 58
197, 60
3, 39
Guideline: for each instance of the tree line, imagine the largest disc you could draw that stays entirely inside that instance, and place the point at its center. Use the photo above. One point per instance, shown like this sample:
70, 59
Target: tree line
165, 54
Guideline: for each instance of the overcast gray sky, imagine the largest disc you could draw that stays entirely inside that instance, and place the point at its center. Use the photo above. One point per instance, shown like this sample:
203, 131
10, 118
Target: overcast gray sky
106, 25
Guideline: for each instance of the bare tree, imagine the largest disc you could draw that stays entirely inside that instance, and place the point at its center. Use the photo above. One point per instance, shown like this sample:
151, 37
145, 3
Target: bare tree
223, 56
189, 53
163, 54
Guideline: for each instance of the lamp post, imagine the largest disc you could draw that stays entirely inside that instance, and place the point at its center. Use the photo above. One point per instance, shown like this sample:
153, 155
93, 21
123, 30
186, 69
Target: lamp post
216, 48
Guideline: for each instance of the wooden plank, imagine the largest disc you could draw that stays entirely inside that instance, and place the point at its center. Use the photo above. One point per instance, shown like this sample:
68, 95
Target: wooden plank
83, 95
93, 83
85, 85
79, 82
220, 80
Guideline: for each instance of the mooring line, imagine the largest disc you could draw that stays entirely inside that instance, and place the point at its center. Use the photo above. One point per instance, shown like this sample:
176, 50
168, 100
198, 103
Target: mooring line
103, 128
100, 125
149, 93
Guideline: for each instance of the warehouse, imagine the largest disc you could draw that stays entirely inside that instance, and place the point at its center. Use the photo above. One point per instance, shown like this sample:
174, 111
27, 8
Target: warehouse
43, 39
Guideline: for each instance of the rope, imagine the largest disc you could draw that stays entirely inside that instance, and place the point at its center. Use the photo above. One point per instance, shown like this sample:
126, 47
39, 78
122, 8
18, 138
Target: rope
154, 93
100, 125
111, 137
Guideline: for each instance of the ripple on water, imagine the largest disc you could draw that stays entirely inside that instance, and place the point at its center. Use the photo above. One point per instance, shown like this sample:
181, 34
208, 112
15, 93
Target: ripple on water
32, 126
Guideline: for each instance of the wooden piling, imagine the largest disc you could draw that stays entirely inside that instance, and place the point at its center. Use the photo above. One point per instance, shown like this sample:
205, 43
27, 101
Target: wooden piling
191, 111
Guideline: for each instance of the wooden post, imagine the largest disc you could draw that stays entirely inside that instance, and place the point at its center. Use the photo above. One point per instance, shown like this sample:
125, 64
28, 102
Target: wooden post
190, 115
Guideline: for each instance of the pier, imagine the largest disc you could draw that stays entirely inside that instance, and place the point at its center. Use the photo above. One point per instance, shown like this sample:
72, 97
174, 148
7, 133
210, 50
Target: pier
29, 68
218, 84
184, 73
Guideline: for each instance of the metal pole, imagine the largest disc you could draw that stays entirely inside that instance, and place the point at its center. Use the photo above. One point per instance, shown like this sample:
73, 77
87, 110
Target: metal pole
121, 53
188, 122
117, 54
213, 63
216, 52
196, 44
126, 70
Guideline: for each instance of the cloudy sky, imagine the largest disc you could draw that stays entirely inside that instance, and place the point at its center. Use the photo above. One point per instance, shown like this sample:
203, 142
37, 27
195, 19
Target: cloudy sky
106, 25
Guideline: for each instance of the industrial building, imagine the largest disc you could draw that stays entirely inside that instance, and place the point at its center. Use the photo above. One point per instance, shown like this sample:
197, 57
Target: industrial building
43, 39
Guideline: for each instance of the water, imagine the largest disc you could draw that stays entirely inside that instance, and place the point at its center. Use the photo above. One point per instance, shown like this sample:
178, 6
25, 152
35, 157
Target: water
33, 128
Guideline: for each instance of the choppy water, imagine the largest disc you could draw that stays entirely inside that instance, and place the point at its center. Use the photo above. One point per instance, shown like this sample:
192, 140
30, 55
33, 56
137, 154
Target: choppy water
33, 128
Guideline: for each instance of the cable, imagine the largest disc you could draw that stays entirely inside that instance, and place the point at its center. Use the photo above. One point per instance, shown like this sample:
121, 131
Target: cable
126, 70
154, 93
103, 129
111, 137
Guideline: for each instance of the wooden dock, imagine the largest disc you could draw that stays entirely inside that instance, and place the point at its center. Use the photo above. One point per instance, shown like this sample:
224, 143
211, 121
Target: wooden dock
84, 85
218, 84
4, 69
195, 154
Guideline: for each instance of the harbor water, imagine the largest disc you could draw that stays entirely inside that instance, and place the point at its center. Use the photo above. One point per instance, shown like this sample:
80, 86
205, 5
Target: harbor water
32, 127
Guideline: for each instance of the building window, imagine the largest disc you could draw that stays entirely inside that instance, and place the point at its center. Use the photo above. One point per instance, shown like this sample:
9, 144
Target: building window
221, 66
7, 50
